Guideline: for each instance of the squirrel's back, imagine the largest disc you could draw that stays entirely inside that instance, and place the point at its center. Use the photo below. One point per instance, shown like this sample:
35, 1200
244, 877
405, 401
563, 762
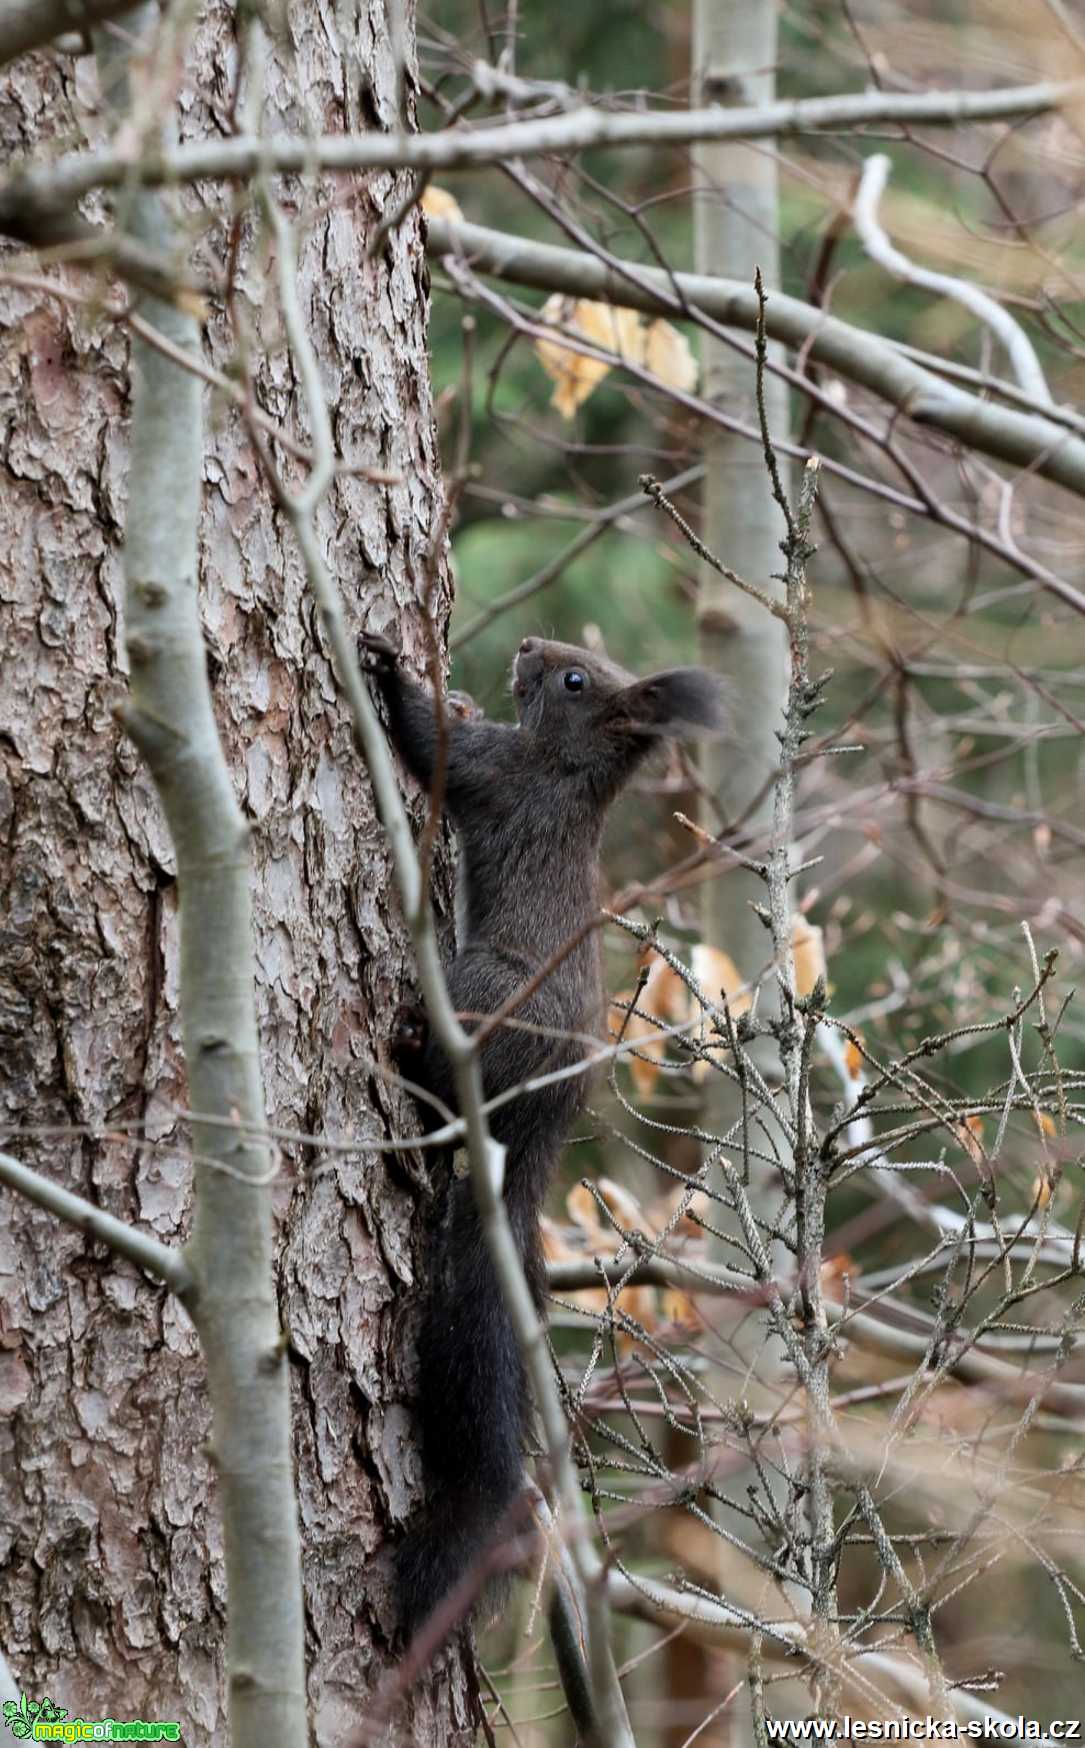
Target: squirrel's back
528, 804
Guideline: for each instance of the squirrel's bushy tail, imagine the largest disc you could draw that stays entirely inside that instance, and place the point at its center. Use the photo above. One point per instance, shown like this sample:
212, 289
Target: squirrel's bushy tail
473, 1407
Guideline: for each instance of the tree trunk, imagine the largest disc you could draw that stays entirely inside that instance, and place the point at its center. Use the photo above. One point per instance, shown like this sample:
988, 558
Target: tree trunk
111, 1597
736, 231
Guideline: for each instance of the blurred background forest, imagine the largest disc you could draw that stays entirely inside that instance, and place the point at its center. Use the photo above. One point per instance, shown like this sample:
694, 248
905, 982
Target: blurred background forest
958, 677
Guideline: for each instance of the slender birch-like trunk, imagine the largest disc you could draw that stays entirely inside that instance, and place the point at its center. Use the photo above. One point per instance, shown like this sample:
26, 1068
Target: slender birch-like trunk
736, 231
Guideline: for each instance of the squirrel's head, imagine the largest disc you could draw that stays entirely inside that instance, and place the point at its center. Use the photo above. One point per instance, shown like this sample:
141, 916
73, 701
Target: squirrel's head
593, 715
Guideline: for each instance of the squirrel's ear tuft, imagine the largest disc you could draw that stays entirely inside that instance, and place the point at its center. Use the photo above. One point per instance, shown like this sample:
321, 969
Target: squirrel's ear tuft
682, 702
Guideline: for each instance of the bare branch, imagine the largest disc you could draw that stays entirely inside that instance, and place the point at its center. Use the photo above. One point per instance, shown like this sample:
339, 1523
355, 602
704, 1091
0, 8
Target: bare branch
1023, 439
1019, 348
583, 129
655, 491
138, 1247
29, 24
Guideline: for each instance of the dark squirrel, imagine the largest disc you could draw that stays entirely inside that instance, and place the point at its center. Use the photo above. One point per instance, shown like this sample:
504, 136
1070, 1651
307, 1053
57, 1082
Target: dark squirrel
528, 802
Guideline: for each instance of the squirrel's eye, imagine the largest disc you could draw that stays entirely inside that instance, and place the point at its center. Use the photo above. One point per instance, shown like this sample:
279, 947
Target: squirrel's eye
573, 680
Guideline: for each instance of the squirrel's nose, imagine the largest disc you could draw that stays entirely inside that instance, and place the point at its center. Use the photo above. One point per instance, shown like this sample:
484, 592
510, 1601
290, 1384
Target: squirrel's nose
527, 644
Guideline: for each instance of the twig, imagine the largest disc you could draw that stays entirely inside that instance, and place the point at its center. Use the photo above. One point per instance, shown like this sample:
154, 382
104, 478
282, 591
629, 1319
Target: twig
148, 1253
577, 130
652, 489
1019, 348
1024, 439
29, 24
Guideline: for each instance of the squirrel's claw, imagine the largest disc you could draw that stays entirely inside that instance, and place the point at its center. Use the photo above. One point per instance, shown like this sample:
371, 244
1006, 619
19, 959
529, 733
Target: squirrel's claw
410, 1031
376, 651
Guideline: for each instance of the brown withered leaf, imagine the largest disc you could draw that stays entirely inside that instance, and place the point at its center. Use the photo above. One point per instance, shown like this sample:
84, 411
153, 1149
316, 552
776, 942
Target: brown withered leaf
557, 1246
623, 1205
808, 946
438, 203
970, 1136
666, 1000
717, 974
575, 377
584, 1214
638, 1029
667, 355
1043, 1188
661, 1212
661, 1003
594, 1237
679, 1308
834, 1271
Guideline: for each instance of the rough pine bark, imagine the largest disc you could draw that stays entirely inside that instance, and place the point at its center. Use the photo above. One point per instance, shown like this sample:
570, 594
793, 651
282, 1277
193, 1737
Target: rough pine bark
111, 1595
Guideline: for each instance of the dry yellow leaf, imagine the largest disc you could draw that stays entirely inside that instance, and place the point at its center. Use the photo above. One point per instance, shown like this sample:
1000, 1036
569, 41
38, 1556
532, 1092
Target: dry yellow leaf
677, 1307
624, 1206
640, 1030
575, 377
1045, 1124
853, 1059
667, 355
584, 1213
591, 1299
600, 1239
590, 1234
191, 303
668, 994
692, 1546
717, 974
438, 203
808, 945
640, 1304
661, 1003
666, 1000
555, 1245
969, 1134
835, 1271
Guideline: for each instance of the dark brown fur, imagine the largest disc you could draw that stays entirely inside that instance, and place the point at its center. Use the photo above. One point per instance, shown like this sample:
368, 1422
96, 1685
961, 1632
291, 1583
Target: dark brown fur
528, 804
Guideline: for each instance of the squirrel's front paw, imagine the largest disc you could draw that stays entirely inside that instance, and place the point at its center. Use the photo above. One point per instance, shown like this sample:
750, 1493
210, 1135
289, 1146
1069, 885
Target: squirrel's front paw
410, 1032
462, 706
376, 651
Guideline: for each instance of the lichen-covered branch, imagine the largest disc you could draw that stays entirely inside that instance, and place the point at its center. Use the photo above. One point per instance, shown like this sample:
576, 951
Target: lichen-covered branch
233, 1303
